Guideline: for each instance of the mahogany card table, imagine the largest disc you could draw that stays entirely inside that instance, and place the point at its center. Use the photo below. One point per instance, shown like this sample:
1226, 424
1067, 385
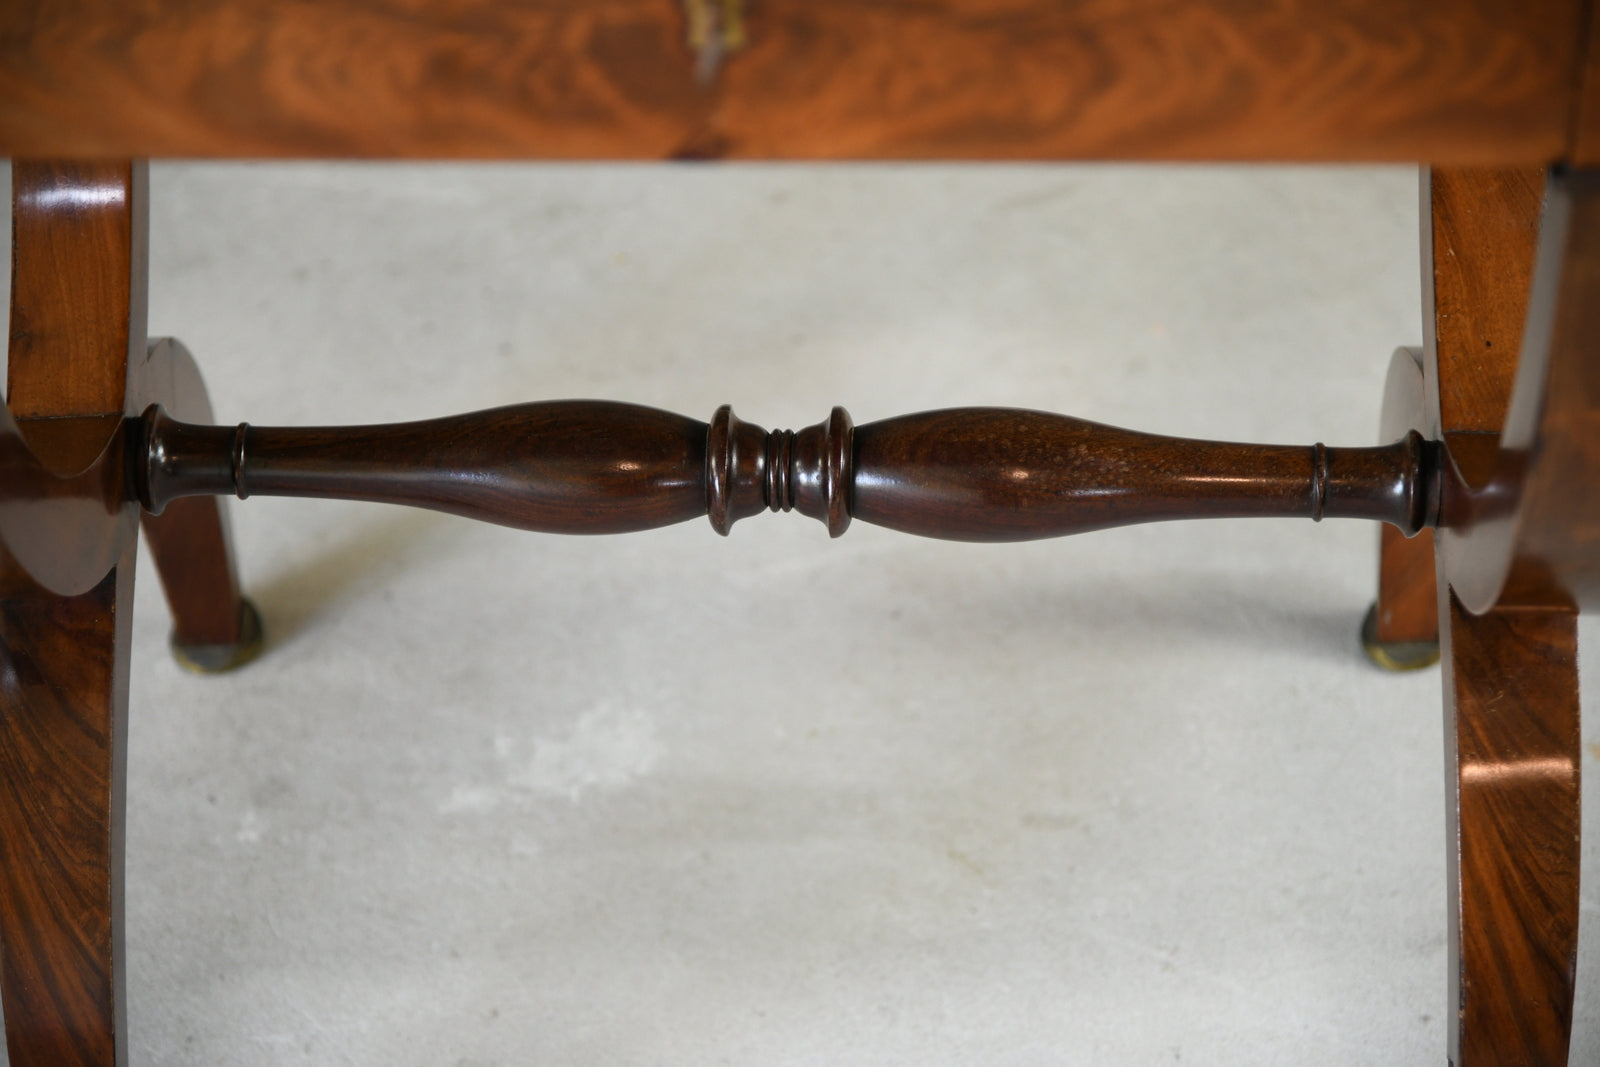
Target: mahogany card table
1485, 480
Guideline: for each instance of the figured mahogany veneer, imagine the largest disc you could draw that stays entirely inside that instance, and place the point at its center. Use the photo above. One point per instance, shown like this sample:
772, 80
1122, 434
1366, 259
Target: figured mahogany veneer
1509, 388
1453, 81
78, 302
98, 445
1500, 454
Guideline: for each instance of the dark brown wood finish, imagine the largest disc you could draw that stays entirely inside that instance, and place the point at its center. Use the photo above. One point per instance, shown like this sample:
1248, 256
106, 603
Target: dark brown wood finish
1512, 824
1519, 528
1513, 551
965, 474
1481, 82
584, 466
78, 291
190, 542
77, 314
990, 474
1401, 632
1408, 591
1478, 250
63, 730
1478, 253
1462, 81
1585, 149
1552, 435
77, 322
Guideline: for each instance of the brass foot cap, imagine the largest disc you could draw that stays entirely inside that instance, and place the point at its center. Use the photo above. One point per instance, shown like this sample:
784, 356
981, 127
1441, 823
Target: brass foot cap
215, 659
1395, 655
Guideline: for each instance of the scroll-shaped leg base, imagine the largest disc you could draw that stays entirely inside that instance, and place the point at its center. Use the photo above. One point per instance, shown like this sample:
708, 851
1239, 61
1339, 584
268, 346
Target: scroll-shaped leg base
63, 724
1512, 753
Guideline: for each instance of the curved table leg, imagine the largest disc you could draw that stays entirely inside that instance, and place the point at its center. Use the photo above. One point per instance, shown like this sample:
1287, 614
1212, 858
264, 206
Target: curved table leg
77, 330
1512, 779
1512, 741
63, 726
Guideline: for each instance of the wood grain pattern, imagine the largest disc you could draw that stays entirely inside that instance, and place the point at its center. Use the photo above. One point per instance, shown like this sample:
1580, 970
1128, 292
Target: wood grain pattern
1520, 529
77, 324
77, 314
1507, 601
965, 474
78, 295
583, 466
1464, 81
63, 729
1149, 79
1511, 732
1479, 243
991, 474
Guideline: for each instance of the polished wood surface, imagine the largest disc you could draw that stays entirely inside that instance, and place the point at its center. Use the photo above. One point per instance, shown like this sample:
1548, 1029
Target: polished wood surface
567, 467
1511, 685
78, 295
1405, 617
1451, 81
77, 314
1513, 816
1479, 244
1481, 230
1408, 592
1498, 453
987, 474
64, 698
1518, 523
963, 474
79, 365
77, 319
1551, 442
191, 542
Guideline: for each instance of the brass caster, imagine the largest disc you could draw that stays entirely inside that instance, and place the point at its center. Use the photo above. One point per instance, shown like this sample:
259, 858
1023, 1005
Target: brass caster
215, 659
1395, 655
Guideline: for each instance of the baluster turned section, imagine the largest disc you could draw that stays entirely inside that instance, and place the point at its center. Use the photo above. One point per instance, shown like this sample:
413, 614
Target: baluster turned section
809, 471
573, 466
965, 474
998, 474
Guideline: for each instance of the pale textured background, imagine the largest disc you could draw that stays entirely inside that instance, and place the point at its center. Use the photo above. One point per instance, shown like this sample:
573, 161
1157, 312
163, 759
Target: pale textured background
500, 798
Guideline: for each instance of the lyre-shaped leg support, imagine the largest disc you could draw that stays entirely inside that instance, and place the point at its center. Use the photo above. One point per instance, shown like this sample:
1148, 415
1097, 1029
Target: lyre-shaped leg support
79, 367
975, 474
1513, 395
77, 318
